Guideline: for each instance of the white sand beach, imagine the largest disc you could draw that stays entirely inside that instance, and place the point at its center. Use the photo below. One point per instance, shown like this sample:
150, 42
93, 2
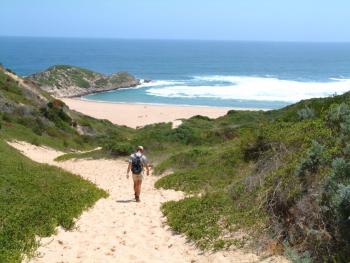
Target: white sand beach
117, 229
138, 115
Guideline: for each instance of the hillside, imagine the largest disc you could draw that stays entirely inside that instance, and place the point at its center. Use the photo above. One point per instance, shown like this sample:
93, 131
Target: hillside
70, 81
282, 177
276, 181
36, 198
30, 114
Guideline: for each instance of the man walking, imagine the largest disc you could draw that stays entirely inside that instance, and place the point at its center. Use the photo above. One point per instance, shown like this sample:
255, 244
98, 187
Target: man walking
137, 163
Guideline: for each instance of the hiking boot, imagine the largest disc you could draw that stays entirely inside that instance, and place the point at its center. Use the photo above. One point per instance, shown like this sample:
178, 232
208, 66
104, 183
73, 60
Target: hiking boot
137, 199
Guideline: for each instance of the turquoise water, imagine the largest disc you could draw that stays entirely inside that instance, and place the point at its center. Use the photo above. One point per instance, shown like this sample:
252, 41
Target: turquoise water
211, 73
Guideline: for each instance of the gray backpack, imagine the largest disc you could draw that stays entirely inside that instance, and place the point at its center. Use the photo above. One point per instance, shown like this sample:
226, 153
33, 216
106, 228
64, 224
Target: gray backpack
136, 164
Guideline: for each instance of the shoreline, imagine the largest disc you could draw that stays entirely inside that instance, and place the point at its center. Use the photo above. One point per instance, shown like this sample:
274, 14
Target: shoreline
85, 93
137, 115
165, 104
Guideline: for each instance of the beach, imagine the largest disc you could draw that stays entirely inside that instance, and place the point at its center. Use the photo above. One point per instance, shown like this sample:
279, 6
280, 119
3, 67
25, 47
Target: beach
137, 115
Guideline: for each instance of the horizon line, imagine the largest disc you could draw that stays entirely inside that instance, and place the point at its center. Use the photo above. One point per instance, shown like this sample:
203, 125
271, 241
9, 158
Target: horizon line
178, 39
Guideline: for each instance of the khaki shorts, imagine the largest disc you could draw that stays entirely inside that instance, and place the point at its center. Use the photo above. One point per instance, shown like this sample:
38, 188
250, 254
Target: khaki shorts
137, 177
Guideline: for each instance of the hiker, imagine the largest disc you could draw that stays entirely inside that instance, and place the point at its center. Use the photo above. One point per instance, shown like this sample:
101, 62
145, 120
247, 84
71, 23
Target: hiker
137, 162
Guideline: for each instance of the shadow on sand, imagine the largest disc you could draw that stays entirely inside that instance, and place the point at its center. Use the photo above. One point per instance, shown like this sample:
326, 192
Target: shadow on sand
126, 201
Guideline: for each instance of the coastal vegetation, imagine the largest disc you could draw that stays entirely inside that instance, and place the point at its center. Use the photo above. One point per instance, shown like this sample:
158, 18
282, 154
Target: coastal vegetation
24, 115
282, 178
276, 180
34, 200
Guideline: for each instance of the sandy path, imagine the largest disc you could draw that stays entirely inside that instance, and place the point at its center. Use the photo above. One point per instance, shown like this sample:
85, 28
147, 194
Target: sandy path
117, 229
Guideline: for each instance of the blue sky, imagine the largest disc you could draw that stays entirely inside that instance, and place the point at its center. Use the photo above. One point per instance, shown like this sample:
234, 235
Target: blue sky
275, 20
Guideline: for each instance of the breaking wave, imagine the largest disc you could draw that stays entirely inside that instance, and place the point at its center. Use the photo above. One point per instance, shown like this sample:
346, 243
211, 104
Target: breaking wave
246, 88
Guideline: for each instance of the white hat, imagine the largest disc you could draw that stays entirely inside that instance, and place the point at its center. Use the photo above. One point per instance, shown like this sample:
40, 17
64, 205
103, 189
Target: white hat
140, 148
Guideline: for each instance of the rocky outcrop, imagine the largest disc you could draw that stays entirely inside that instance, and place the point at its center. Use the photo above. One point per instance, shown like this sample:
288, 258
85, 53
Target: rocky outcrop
70, 81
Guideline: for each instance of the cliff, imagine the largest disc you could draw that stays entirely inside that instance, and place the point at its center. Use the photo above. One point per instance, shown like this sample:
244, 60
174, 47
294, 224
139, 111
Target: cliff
71, 81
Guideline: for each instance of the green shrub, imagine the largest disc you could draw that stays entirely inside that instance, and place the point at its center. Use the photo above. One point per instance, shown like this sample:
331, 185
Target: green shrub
338, 192
345, 127
53, 132
65, 144
119, 148
200, 218
82, 83
342, 205
55, 112
314, 158
7, 117
34, 200
294, 256
253, 151
187, 135
35, 141
35, 124
337, 114
306, 113
101, 82
340, 170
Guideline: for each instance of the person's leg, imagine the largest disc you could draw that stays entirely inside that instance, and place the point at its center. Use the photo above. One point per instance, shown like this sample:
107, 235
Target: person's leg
135, 187
135, 179
139, 187
138, 190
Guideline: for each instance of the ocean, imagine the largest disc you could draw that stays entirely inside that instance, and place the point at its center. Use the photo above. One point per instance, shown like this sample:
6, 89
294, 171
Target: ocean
266, 75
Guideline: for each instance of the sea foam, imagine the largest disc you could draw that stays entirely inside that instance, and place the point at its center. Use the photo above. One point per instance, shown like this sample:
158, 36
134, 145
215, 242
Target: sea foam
247, 88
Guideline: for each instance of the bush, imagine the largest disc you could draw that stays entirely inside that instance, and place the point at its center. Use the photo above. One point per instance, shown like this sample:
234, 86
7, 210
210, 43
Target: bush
336, 207
342, 205
314, 158
35, 124
294, 256
7, 117
35, 142
54, 111
306, 113
345, 127
338, 188
119, 148
187, 135
53, 132
337, 114
253, 151
341, 169
58, 104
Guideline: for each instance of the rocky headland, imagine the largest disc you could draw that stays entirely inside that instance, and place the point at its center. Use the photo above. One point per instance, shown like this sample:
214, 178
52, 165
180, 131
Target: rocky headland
70, 81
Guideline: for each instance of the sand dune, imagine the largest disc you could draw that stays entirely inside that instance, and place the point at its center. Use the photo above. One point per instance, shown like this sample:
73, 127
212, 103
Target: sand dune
117, 229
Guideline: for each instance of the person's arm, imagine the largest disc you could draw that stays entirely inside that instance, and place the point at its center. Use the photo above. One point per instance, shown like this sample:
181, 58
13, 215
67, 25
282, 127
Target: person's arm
147, 166
128, 171
147, 169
